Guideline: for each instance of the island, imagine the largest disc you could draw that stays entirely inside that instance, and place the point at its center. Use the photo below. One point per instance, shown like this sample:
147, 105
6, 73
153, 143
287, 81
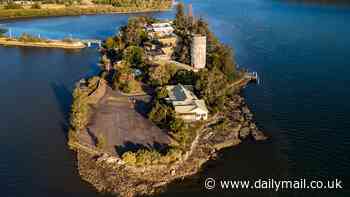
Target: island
166, 101
15, 9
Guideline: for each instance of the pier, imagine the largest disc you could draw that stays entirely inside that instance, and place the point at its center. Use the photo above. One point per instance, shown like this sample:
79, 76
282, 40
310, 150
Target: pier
253, 76
91, 42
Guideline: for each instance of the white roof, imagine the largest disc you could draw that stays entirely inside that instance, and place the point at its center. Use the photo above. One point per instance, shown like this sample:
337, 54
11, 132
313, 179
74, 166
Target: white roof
185, 101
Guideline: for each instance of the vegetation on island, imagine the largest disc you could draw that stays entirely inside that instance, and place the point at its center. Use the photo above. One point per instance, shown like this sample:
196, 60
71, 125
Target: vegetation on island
130, 60
38, 8
124, 53
80, 109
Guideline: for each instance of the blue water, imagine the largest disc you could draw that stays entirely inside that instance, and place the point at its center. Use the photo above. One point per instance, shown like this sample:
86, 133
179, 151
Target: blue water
300, 51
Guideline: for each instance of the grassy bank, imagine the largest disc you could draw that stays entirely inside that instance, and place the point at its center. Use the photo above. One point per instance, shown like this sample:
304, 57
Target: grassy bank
75, 11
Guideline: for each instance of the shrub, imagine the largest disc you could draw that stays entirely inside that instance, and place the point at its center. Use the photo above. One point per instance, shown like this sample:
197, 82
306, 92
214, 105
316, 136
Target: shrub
29, 38
129, 158
101, 141
12, 5
36, 6
147, 157
161, 114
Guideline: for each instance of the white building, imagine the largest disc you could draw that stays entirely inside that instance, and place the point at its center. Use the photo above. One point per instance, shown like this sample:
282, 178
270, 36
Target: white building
187, 106
160, 29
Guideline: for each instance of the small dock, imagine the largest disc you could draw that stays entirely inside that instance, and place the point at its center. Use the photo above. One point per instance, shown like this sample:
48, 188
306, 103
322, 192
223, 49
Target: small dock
253, 76
91, 42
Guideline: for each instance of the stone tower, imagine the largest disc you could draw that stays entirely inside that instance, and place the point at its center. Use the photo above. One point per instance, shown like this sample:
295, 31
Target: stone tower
198, 51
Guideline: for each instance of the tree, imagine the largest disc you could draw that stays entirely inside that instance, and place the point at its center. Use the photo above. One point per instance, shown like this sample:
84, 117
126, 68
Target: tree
36, 6
161, 114
135, 56
101, 141
184, 77
211, 85
184, 30
161, 93
180, 18
110, 43
132, 86
134, 33
80, 113
12, 5
177, 125
159, 75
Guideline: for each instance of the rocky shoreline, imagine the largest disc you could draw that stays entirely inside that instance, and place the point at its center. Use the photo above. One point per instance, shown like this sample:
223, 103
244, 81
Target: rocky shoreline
225, 129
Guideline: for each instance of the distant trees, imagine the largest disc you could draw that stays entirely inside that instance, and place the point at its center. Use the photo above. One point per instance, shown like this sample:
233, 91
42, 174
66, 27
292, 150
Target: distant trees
25, 37
137, 3
12, 5
36, 6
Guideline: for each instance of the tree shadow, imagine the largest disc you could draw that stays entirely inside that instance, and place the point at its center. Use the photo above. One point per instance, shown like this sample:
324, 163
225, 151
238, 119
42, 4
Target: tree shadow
64, 99
92, 136
134, 147
142, 107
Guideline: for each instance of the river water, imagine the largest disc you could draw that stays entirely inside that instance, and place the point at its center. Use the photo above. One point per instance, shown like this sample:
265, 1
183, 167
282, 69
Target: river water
299, 50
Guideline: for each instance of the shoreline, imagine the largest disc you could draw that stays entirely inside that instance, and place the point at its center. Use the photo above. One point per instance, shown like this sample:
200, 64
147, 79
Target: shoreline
51, 44
109, 173
45, 13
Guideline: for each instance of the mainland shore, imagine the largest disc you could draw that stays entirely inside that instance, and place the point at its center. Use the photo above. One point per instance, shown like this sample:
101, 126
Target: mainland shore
9, 14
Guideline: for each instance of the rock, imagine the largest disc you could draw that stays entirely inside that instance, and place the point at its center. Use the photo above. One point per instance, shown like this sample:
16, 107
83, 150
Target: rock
245, 110
249, 117
173, 172
112, 160
258, 135
244, 132
246, 124
252, 126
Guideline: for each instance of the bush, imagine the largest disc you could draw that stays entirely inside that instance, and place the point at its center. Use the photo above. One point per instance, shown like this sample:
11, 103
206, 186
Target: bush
12, 5
161, 114
177, 125
129, 158
67, 39
29, 38
184, 137
134, 56
36, 6
161, 74
101, 141
147, 157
